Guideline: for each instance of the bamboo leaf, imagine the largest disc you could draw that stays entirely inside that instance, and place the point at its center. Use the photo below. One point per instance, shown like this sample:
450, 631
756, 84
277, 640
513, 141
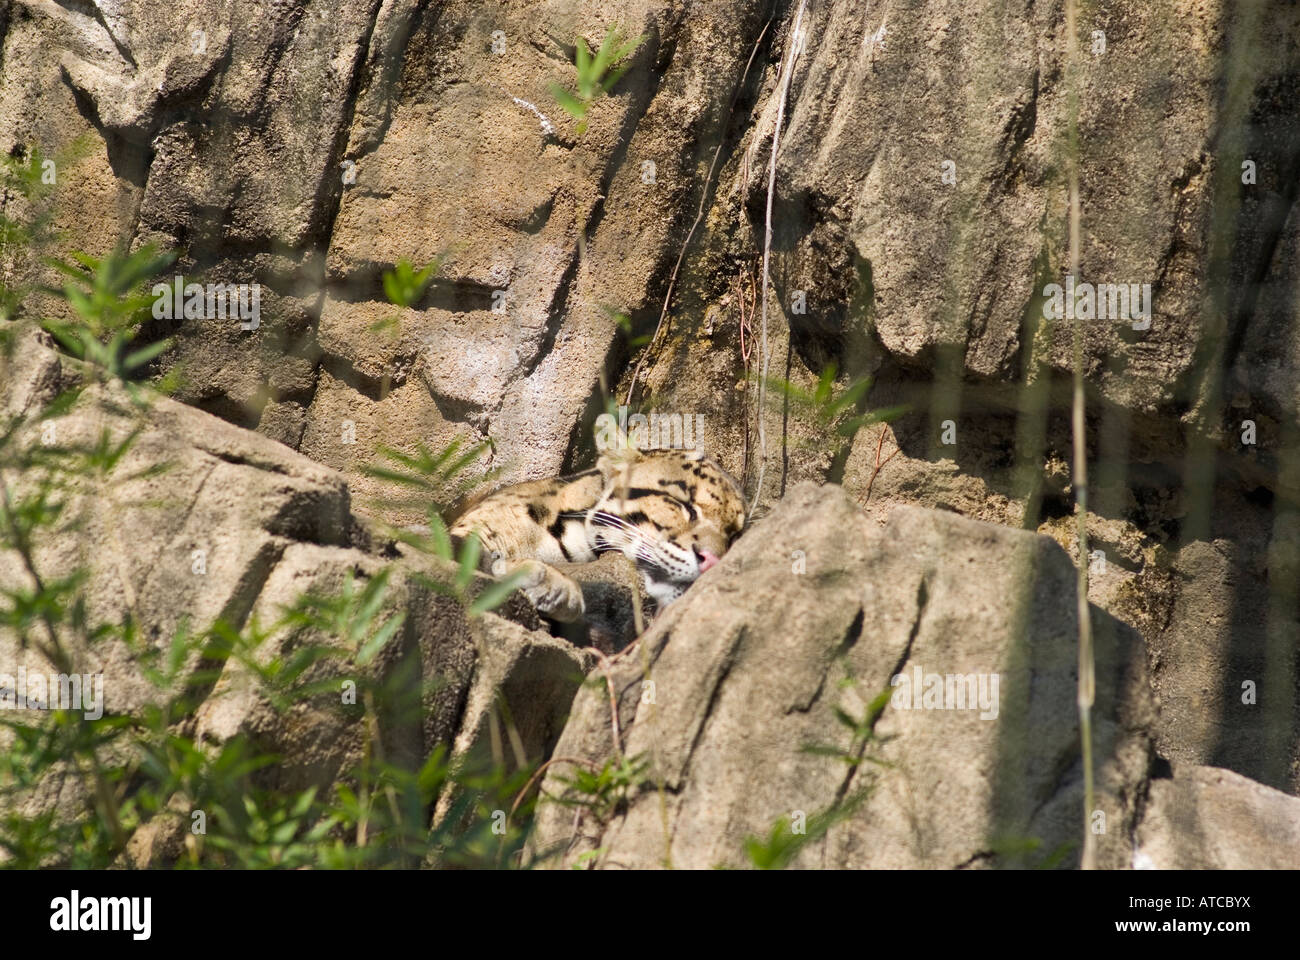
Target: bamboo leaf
139, 358
496, 594
375, 644
469, 557
439, 535
572, 105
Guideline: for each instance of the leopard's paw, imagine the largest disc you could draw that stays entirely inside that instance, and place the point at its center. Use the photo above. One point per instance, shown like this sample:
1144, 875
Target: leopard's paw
551, 592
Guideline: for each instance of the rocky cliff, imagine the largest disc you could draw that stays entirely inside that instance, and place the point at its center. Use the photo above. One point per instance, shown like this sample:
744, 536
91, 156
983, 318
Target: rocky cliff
918, 205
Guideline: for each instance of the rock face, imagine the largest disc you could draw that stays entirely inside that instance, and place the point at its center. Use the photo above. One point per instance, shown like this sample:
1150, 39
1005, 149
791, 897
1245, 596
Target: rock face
1203, 818
815, 611
237, 528
918, 210
746, 697
934, 284
397, 130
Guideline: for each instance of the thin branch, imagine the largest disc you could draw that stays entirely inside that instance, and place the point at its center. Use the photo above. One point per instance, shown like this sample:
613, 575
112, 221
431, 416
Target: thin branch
1087, 674
577, 761
613, 702
884, 429
767, 247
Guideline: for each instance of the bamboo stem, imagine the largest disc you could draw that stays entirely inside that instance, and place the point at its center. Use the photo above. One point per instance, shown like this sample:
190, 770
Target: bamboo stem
1087, 676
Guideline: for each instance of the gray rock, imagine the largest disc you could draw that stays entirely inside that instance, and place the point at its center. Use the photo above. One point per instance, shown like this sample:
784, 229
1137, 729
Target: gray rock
319, 146
518, 701
1204, 818
750, 667
238, 527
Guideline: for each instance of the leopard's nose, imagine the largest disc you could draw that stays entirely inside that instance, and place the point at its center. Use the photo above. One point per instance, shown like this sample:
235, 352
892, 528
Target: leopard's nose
706, 559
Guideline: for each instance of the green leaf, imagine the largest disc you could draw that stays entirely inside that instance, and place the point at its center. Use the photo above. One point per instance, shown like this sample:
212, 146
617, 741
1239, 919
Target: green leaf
850, 397
884, 415
572, 105
371, 599
467, 458
439, 535
391, 288
395, 476
303, 803
469, 557
377, 643
589, 855
582, 58
139, 358
496, 594
614, 77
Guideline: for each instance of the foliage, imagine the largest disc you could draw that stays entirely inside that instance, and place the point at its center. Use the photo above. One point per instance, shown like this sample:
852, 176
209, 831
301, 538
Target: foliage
596, 75
783, 842
624, 324
221, 804
432, 476
109, 300
861, 732
436, 479
405, 286
605, 791
836, 413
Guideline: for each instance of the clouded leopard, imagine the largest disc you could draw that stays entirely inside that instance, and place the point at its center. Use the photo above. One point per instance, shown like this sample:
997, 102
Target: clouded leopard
673, 512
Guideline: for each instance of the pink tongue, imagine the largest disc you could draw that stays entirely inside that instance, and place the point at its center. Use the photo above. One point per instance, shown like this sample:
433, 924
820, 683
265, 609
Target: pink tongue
707, 560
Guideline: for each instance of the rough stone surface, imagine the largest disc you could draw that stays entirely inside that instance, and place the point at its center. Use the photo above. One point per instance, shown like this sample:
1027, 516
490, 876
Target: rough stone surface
236, 529
934, 288
750, 666
518, 701
309, 148
1204, 818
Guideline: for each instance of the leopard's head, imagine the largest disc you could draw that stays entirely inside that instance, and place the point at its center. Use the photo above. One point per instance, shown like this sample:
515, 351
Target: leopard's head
673, 512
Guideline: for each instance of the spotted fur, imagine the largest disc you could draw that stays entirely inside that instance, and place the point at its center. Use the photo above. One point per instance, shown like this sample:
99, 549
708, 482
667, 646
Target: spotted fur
673, 512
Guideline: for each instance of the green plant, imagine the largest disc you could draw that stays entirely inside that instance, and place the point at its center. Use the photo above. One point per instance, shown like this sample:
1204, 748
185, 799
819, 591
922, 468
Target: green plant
435, 479
1027, 852
405, 286
596, 75
624, 324
782, 843
788, 834
146, 770
110, 303
838, 414
861, 732
142, 768
603, 792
